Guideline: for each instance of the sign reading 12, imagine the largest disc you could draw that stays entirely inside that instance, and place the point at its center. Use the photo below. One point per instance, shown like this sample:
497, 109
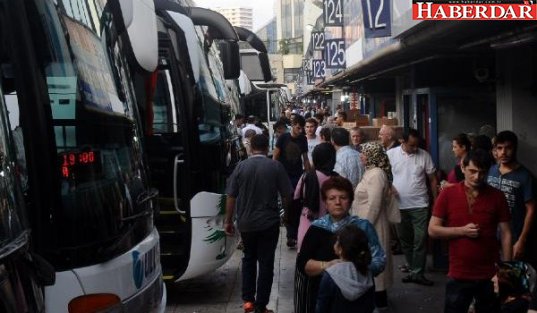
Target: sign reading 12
375, 14
377, 18
335, 53
333, 13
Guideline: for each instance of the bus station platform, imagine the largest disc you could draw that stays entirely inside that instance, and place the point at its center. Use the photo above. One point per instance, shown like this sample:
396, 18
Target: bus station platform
220, 291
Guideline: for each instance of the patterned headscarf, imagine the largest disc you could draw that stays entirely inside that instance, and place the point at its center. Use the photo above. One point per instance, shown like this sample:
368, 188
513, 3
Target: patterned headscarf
376, 157
515, 278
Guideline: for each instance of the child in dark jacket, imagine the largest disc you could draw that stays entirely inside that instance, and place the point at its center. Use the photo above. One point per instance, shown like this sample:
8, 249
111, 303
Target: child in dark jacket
348, 286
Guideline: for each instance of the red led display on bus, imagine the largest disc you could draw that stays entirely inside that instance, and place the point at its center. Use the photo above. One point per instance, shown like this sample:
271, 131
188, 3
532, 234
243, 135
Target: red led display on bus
77, 162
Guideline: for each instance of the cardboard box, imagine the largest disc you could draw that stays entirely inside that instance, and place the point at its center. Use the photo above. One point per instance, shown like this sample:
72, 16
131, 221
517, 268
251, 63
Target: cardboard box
390, 121
352, 114
362, 120
377, 122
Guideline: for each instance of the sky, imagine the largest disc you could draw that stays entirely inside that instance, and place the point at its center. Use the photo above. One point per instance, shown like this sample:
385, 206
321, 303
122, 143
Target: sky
263, 9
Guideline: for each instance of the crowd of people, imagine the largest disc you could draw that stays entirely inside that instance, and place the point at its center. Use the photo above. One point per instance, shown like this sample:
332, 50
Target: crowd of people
346, 199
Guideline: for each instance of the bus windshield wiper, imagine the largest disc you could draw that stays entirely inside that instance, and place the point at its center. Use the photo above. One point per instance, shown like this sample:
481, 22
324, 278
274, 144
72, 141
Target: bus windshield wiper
142, 198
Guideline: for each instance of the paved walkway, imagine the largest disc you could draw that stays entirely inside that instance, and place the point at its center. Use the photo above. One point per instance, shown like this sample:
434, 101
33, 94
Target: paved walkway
220, 291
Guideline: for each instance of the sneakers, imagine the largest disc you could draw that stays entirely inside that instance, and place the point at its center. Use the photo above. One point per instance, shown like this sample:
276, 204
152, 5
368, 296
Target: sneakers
420, 280
248, 307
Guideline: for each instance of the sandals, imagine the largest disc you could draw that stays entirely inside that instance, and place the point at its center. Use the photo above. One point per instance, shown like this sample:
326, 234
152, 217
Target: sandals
404, 268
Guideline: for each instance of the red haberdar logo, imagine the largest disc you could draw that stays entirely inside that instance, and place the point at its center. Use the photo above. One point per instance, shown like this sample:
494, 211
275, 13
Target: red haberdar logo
524, 10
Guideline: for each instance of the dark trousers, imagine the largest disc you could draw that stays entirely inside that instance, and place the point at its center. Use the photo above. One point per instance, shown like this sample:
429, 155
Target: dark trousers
293, 216
259, 247
460, 293
413, 236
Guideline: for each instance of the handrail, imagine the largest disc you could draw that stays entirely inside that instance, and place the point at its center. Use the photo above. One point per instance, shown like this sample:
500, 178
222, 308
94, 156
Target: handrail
176, 163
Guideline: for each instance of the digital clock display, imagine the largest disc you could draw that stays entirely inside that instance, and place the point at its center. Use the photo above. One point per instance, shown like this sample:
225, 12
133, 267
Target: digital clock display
80, 165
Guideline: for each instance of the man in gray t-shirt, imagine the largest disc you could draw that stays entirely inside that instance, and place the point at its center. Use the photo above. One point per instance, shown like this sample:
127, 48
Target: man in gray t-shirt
252, 190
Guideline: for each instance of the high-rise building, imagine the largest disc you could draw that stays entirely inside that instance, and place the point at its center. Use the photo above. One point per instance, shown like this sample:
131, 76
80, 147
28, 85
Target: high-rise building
290, 30
238, 16
290, 25
267, 33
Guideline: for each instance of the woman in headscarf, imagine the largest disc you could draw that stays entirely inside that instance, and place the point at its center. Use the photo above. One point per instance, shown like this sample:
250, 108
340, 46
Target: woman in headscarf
309, 187
370, 202
317, 251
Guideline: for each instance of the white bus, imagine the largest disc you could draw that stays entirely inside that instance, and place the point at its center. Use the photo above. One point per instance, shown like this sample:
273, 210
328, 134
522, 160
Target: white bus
187, 106
89, 202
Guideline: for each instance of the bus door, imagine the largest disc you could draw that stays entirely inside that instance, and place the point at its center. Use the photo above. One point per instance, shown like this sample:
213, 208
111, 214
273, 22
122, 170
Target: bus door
167, 147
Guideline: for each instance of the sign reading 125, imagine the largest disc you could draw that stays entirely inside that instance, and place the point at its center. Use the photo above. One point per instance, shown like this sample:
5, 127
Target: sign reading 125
333, 13
335, 53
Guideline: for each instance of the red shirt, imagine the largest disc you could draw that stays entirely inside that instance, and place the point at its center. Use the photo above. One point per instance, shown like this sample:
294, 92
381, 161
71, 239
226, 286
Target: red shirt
473, 258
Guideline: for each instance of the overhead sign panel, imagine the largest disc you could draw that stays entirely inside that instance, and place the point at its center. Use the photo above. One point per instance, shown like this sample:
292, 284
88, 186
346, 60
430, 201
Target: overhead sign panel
335, 53
377, 18
333, 12
317, 39
319, 68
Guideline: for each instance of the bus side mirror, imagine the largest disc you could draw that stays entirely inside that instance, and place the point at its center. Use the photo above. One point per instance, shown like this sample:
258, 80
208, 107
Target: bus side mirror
256, 65
265, 67
140, 22
231, 60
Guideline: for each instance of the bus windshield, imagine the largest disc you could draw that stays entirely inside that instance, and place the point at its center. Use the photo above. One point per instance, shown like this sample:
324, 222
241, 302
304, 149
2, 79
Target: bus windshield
214, 91
104, 208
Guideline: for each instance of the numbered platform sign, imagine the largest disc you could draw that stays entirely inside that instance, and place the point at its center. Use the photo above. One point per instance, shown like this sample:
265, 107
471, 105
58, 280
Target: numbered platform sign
377, 18
319, 68
334, 53
333, 12
317, 40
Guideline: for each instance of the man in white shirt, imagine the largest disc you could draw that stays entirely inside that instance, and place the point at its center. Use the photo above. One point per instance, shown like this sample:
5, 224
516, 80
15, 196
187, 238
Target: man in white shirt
313, 139
250, 124
387, 137
410, 167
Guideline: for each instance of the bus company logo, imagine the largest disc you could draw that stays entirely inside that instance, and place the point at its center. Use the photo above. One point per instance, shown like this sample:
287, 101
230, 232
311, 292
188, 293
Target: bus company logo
137, 269
521, 10
143, 267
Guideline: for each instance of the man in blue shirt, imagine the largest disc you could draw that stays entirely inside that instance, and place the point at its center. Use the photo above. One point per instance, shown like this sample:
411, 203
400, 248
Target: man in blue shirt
515, 181
348, 163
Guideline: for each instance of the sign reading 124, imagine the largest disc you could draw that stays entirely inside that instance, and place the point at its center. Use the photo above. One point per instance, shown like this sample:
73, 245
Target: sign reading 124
333, 13
335, 53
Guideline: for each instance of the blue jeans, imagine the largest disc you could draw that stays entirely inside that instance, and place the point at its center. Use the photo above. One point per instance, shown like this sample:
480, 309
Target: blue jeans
259, 247
459, 295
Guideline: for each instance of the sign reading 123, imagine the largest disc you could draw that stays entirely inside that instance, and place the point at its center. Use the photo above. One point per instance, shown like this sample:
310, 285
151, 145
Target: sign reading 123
333, 13
335, 53
319, 68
